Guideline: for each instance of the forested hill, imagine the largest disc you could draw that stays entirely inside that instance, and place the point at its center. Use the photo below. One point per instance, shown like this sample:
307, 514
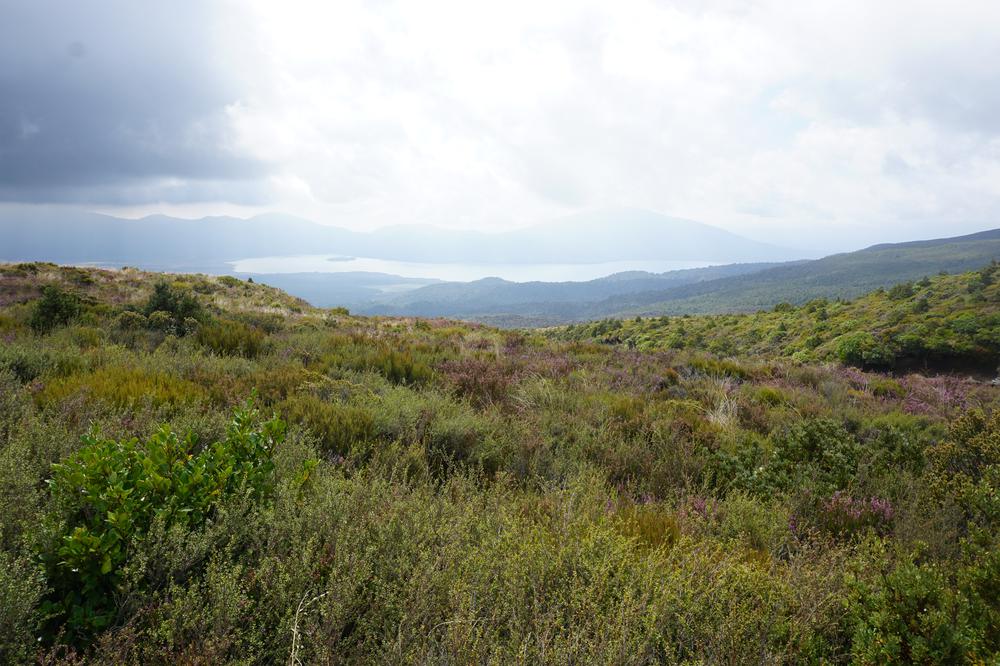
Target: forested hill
948, 322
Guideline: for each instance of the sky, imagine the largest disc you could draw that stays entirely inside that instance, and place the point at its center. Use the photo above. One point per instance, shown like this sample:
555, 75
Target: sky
809, 123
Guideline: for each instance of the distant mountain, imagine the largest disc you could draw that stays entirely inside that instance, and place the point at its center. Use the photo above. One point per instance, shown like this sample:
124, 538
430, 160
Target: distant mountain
731, 288
28, 233
540, 301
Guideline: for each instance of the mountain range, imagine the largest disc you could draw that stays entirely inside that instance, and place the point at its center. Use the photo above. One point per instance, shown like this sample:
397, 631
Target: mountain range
621, 234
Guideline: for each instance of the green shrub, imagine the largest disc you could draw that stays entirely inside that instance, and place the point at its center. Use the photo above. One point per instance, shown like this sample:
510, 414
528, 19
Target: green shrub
901, 291
399, 367
652, 527
812, 454
110, 493
915, 615
173, 303
862, 349
338, 427
885, 387
232, 338
122, 387
55, 308
22, 587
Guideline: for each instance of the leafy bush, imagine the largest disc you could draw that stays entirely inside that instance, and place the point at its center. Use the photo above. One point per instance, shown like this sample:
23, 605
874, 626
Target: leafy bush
110, 493
862, 349
816, 453
55, 308
914, 615
171, 305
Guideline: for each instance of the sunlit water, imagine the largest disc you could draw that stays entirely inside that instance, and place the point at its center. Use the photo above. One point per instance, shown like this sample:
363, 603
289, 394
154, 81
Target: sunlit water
325, 263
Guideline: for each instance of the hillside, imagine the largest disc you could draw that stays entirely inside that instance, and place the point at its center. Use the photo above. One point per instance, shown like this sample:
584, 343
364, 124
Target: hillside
200, 469
838, 276
719, 289
949, 322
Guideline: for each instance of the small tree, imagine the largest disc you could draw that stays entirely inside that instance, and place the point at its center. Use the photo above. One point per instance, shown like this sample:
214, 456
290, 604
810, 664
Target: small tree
178, 304
55, 308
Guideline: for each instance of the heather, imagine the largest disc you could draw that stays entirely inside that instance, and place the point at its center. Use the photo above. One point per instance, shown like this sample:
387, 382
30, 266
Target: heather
204, 470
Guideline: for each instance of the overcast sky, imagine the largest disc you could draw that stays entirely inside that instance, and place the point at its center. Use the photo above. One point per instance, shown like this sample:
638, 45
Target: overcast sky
819, 123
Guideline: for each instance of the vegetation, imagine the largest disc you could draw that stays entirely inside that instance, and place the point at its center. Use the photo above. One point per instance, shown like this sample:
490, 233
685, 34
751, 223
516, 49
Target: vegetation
809, 484
949, 322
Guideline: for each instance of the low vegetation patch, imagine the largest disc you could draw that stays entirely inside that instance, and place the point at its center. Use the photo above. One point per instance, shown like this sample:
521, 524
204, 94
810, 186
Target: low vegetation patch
728, 489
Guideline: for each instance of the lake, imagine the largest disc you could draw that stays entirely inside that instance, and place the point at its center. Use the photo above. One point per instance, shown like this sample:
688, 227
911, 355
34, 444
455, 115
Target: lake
325, 263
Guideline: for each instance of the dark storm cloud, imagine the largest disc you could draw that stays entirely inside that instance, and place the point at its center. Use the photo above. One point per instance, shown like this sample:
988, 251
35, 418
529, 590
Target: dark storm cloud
117, 101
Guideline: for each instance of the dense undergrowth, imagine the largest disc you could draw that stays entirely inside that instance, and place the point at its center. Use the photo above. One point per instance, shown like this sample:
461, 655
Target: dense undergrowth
407, 491
949, 322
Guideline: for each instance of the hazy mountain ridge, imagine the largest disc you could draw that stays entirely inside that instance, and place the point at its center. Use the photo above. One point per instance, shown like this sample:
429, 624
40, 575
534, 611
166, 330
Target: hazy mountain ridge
621, 234
744, 289
542, 299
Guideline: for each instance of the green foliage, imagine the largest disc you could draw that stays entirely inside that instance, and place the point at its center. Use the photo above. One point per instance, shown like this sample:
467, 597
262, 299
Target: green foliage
817, 453
399, 366
693, 490
232, 338
338, 427
22, 587
56, 307
169, 306
933, 325
862, 349
914, 615
110, 493
122, 387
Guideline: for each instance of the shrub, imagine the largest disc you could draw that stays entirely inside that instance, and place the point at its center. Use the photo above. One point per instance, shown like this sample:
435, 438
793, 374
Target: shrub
815, 453
862, 349
338, 427
650, 526
901, 291
485, 383
55, 308
131, 321
110, 493
122, 387
399, 367
21, 588
232, 338
885, 387
842, 514
178, 304
914, 614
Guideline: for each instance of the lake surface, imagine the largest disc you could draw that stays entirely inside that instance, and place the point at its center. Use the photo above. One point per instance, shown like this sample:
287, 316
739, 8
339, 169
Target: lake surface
325, 263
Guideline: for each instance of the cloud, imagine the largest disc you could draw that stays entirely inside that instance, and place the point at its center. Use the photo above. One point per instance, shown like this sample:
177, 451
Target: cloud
819, 122
118, 101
